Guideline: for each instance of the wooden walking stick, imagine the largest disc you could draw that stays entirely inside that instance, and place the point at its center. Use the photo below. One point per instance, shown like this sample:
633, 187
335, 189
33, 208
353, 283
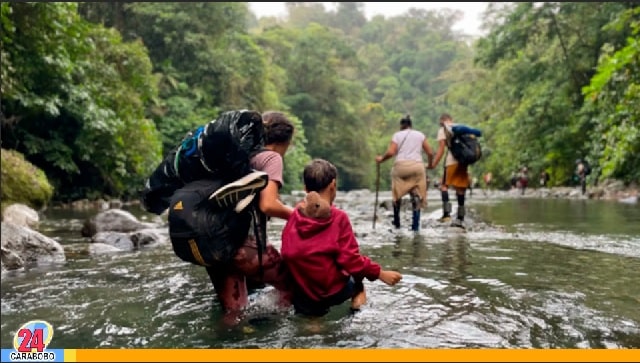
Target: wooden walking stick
375, 206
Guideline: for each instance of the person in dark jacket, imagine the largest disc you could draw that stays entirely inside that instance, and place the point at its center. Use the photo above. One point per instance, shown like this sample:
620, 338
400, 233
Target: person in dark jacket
321, 251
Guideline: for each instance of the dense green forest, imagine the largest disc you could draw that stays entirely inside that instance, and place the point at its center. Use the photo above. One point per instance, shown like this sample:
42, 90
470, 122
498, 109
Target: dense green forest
95, 94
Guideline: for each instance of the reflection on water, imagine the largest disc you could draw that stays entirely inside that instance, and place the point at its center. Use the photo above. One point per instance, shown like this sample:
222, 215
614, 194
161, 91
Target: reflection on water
578, 216
525, 286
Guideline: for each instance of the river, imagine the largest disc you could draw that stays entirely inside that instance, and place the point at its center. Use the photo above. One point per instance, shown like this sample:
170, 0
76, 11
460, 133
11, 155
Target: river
541, 273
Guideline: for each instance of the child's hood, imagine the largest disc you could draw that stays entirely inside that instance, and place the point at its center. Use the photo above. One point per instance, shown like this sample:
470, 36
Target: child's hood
313, 215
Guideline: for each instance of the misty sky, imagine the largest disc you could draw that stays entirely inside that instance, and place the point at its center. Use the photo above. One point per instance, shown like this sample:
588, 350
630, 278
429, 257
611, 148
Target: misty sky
470, 24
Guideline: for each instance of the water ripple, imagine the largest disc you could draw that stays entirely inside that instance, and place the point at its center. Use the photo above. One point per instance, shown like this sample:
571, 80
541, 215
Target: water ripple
525, 286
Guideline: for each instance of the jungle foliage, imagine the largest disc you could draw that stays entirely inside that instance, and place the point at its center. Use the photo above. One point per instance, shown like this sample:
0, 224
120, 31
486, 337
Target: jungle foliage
95, 94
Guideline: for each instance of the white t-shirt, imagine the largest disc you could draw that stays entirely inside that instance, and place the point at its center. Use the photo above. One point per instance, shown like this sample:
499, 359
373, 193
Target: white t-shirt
409, 143
441, 136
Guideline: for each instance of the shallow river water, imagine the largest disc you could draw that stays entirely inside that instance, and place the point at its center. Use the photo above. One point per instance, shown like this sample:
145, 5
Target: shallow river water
527, 273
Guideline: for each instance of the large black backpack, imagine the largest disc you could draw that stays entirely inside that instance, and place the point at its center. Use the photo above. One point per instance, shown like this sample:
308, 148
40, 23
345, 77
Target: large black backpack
207, 236
462, 142
218, 150
587, 167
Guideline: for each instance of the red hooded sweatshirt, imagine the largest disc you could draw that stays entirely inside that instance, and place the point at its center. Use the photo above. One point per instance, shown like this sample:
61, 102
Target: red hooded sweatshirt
322, 253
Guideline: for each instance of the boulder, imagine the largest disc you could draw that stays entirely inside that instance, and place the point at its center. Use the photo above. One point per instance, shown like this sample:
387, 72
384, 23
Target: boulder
113, 220
22, 246
21, 215
119, 240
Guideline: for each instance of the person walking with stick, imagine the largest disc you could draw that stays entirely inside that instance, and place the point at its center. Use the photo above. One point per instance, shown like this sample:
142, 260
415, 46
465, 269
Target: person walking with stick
408, 175
375, 205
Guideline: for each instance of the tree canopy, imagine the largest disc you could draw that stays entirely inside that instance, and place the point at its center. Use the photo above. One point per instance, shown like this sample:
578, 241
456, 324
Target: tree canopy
95, 94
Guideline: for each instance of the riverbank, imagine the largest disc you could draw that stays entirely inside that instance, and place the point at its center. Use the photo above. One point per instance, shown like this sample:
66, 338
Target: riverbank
608, 190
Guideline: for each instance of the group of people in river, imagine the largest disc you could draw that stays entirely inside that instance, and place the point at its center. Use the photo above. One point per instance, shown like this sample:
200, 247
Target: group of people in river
408, 174
319, 264
520, 179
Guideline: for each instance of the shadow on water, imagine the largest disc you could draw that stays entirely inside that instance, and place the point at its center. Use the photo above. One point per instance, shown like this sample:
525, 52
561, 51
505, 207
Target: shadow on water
549, 278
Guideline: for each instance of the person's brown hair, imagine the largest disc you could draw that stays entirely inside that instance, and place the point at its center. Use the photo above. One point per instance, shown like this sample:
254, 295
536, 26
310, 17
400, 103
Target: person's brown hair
278, 128
445, 117
318, 174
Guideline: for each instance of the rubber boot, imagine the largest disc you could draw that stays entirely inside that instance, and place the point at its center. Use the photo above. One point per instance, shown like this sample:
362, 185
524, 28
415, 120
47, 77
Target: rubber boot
461, 212
415, 225
459, 222
415, 207
446, 212
396, 215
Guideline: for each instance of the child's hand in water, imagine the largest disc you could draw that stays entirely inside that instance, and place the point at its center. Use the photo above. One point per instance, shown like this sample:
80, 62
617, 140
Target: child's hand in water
390, 277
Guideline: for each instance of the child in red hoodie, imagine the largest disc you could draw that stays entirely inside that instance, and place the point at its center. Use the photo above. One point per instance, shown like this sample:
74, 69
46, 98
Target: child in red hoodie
321, 251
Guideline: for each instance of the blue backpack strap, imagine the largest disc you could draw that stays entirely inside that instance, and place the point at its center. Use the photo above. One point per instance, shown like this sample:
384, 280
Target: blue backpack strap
190, 145
460, 129
201, 135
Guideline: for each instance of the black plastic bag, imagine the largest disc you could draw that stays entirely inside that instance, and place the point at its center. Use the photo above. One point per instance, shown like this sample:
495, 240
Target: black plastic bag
220, 149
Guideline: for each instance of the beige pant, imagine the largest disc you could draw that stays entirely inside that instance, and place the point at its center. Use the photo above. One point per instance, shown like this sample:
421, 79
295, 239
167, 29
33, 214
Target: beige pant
407, 176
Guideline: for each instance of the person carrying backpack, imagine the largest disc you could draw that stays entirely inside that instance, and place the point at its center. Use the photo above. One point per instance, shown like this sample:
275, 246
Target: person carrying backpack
219, 209
455, 173
408, 175
582, 170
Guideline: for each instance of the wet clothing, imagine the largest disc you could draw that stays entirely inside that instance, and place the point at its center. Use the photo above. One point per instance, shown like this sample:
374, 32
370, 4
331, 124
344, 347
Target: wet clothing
409, 176
408, 173
230, 282
307, 306
456, 175
322, 255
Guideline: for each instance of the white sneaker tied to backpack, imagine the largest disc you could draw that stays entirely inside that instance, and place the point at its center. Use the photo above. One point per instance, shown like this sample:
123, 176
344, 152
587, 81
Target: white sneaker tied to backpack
240, 193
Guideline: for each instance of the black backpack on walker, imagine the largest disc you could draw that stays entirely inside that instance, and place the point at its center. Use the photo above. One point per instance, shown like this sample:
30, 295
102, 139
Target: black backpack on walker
463, 143
220, 150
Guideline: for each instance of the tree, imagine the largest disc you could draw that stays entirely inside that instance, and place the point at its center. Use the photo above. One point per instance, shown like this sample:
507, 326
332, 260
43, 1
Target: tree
611, 104
74, 98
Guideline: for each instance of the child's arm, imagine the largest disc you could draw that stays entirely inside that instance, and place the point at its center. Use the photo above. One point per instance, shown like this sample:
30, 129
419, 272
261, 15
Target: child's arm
390, 277
349, 257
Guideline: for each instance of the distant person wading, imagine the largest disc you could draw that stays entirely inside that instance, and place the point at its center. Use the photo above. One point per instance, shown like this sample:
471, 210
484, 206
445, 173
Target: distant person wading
408, 175
456, 175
